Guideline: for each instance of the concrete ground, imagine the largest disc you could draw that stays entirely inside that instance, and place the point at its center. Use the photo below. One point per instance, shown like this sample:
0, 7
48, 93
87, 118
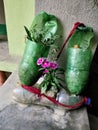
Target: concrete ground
3, 49
15, 116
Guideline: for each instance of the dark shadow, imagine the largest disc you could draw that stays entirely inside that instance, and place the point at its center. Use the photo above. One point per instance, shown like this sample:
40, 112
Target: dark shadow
92, 86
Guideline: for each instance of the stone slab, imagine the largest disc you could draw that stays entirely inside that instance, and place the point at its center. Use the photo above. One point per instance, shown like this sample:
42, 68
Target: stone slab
14, 116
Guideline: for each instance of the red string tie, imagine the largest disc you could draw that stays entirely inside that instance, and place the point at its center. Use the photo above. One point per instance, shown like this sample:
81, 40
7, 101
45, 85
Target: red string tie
37, 91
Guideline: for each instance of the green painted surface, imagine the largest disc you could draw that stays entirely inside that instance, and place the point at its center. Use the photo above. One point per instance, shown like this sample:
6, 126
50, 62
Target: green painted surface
9, 63
8, 66
18, 13
3, 29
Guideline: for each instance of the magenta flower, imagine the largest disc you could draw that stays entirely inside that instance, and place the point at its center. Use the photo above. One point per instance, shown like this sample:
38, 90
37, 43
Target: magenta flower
45, 71
40, 61
46, 64
53, 65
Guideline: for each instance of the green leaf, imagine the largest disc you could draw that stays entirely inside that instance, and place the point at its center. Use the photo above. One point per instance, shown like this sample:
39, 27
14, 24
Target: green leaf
60, 69
60, 79
61, 85
53, 84
41, 69
55, 80
44, 88
28, 33
59, 73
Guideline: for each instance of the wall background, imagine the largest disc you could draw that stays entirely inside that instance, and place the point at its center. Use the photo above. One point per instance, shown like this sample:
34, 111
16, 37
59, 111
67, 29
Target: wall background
2, 17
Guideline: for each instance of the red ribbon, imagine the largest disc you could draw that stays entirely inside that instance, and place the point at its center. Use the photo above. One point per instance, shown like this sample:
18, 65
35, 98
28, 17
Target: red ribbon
38, 92
70, 34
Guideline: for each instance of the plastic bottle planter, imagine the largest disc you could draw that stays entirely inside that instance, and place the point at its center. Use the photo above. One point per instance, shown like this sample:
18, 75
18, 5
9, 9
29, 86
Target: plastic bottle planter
28, 68
77, 69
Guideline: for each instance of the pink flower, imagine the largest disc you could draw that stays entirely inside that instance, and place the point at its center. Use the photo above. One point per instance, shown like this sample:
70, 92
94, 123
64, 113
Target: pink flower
46, 64
45, 71
53, 65
40, 61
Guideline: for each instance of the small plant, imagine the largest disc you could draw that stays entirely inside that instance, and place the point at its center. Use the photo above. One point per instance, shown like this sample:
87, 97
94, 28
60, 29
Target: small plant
51, 73
41, 36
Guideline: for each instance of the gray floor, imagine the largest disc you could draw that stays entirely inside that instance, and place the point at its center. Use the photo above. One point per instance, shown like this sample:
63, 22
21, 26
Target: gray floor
13, 117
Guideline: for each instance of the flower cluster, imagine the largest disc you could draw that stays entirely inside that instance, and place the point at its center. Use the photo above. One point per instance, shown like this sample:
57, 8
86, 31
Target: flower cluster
46, 64
51, 72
